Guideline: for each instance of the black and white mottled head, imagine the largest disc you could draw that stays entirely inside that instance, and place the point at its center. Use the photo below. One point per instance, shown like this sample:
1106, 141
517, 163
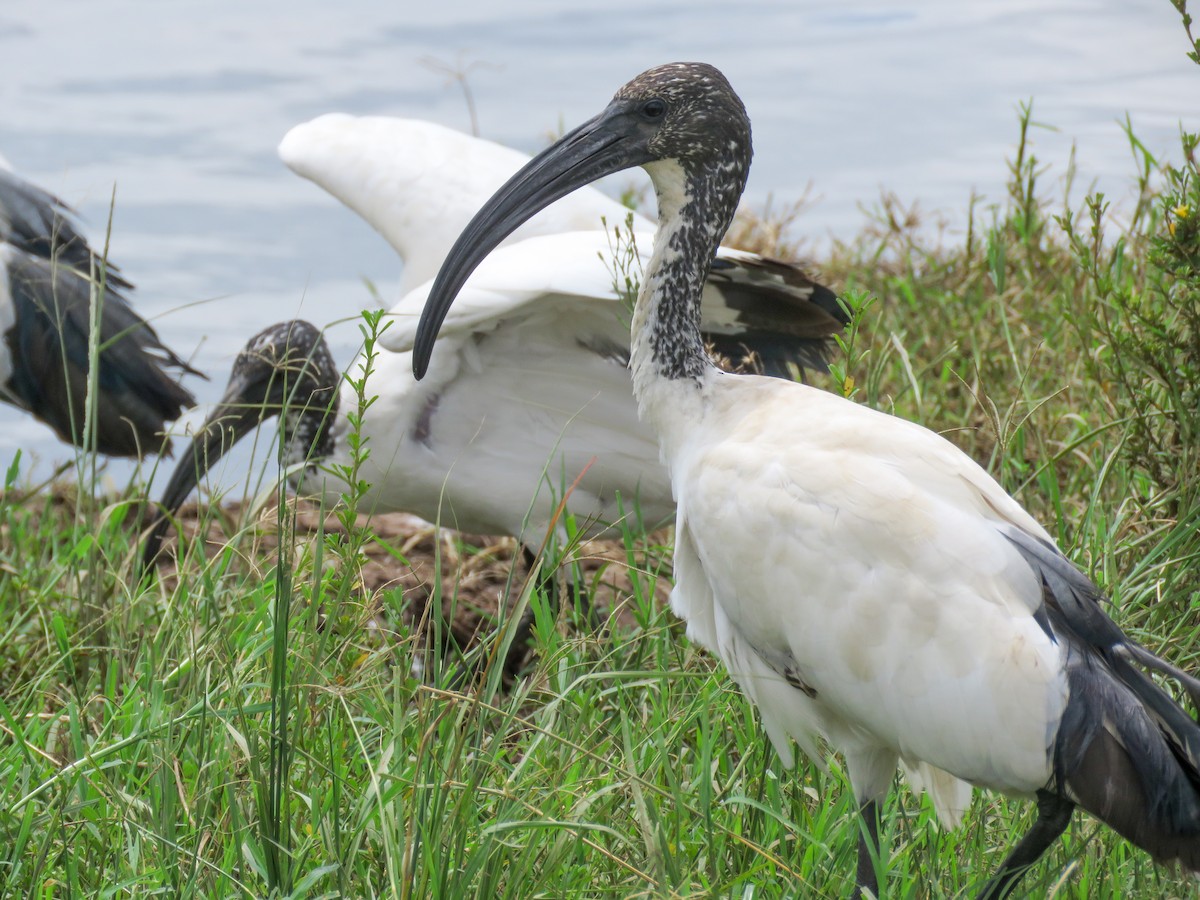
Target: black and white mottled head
699, 123
682, 121
285, 370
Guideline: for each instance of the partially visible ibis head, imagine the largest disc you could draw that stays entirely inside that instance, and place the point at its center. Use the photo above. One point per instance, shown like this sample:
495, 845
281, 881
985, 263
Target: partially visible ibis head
681, 115
285, 370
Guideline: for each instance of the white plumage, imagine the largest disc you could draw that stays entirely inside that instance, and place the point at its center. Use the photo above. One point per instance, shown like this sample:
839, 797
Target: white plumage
863, 580
930, 650
418, 183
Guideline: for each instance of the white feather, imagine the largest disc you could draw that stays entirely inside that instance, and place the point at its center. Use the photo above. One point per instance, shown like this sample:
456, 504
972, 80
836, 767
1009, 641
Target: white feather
866, 555
418, 183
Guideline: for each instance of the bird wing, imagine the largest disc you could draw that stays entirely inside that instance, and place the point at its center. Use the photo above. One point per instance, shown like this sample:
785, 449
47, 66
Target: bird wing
536, 271
38, 223
755, 312
772, 309
508, 419
862, 585
418, 183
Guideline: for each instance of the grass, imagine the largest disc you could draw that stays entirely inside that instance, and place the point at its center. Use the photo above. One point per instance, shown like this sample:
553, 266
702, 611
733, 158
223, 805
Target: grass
246, 728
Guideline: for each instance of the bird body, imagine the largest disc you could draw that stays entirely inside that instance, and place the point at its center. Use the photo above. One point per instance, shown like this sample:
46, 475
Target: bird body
916, 638
49, 277
863, 580
473, 448
531, 398
466, 448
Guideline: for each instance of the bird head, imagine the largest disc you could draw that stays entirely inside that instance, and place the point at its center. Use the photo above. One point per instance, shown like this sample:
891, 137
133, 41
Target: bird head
285, 370
680, 119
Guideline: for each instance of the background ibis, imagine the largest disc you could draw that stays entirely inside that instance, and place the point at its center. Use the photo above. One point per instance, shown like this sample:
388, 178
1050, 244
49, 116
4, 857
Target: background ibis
49, 277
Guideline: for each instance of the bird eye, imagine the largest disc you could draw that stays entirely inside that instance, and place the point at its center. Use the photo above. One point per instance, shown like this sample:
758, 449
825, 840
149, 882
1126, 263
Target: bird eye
654, 108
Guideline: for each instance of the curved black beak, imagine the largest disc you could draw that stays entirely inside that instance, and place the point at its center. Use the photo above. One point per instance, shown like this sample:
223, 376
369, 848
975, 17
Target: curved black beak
285, 366
242, 409
614, 140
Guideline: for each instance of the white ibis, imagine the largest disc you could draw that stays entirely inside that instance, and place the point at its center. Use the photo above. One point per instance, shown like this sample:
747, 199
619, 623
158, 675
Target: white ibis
862, 579
48, 275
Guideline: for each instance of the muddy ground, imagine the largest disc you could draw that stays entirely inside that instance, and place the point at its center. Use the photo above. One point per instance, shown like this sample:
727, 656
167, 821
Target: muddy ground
480, 575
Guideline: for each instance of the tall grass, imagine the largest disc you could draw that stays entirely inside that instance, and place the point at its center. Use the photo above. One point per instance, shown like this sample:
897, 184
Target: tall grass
247, 727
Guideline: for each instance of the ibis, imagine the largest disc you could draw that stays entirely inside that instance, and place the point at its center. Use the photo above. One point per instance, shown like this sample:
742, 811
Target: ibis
49, 277
864, 581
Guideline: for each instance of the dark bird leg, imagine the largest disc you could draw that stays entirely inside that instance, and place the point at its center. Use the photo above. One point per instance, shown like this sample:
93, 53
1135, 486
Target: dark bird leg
1054, 814
866, 884
518, 650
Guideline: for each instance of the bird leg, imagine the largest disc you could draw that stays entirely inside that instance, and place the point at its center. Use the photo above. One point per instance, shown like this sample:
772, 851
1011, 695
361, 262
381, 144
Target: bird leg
866, 883
518, 649
1054, 814
514, 657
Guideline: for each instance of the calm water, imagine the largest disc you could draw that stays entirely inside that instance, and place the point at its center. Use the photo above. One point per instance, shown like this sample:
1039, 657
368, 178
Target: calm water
178, 107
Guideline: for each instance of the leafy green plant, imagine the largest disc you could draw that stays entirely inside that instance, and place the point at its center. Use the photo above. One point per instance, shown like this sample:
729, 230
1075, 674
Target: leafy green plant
623, 262
1147, 312
1181, 7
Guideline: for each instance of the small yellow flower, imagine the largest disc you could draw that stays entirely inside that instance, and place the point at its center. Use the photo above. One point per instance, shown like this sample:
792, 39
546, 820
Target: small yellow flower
1182, 211
1171, 228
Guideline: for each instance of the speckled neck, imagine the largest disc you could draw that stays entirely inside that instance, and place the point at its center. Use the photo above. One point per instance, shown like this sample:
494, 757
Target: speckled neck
695, 207
308, 431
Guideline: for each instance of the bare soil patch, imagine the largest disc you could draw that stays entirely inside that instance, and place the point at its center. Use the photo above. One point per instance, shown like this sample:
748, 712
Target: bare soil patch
481, 576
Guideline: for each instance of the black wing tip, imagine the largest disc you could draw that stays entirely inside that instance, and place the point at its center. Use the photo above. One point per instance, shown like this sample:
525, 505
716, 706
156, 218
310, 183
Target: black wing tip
798, 278
174, 361
1125, 750
770, 353
831, 301
1129, 767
